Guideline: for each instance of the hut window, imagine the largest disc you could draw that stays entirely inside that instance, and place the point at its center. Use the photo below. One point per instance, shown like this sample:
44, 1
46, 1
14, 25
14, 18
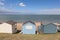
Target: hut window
28, 27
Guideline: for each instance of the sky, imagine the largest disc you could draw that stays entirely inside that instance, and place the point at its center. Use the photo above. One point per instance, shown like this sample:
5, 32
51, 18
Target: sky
31, 6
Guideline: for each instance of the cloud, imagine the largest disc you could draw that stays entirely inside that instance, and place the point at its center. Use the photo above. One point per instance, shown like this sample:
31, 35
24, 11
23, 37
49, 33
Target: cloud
49, 11
22, 4
2, 0
5, 10
1, 3
1, 6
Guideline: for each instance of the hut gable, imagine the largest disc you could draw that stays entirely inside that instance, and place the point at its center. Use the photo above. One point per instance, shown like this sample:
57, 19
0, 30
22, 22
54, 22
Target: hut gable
29, 28
51, 24
29, 22
5, 24
11, 22
49, 28
7, 28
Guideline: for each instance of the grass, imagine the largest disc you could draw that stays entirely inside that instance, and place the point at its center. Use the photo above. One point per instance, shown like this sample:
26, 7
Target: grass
30, 37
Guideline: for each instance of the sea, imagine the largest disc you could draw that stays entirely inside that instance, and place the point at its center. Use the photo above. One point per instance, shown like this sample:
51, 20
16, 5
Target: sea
21, 18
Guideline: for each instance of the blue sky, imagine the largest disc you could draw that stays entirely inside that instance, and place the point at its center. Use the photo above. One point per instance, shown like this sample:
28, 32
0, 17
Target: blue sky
31, 6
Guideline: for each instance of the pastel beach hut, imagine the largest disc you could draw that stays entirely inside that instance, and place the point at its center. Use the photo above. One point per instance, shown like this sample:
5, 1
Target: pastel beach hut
28, 27
49, 28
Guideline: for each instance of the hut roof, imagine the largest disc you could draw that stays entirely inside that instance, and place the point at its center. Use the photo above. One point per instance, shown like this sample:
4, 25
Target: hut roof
28, 22
11, 22
0, 23
49, 24
58, 24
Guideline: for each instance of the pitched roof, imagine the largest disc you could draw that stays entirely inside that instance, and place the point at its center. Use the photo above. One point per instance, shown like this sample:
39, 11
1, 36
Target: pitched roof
11, 22
50, 23
0, 23
28, 22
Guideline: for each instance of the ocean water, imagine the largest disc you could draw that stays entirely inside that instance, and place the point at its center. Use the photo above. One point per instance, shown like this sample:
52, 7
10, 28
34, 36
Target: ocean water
20, 18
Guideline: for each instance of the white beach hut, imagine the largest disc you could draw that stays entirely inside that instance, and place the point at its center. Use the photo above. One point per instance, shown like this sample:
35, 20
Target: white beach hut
58, 26
7, 28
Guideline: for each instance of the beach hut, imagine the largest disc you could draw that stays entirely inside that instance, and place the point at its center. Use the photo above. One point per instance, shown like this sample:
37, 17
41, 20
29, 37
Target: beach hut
7, 28
28, 28
58, 28
49, 28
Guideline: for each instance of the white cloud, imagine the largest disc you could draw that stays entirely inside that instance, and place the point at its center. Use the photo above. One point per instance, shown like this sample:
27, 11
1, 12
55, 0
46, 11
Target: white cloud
3, 9
1, 3
2, 6
2, 0
49, 11
22, 4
